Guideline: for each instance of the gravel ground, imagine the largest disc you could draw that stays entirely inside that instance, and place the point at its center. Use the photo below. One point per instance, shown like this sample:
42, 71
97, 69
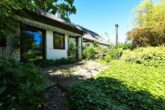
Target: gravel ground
84, 69
57, 99
60, 80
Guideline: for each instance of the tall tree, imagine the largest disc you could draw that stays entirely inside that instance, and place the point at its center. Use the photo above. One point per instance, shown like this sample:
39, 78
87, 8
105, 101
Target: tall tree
64, 7
8, 21
149, 24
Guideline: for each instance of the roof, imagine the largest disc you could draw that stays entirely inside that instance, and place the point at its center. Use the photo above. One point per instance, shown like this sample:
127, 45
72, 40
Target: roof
52, 20
93, 36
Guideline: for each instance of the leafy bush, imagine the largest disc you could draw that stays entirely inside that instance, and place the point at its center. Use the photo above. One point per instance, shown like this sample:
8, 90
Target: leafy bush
111, 54
123, 86
126, 46
62, 61
21, 86
107, 58
143, 55
155, 63
100, 51
89, 52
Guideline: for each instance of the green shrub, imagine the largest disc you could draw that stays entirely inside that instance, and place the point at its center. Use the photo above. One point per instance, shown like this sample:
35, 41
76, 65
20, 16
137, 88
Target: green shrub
125, 46
100, 51
48, 63
155, 63
21, 86
123, 86
89, 52
107, 58
143, 55
111, 54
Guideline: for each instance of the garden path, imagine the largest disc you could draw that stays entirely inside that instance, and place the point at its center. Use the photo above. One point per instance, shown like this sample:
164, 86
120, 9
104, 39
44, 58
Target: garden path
60, 80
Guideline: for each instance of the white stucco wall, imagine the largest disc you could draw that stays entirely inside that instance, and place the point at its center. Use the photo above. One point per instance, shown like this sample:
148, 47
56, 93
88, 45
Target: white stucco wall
51, 53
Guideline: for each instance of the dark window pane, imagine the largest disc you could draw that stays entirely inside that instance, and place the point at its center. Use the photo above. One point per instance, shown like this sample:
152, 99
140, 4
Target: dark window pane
72, 47
58, 41
2, 42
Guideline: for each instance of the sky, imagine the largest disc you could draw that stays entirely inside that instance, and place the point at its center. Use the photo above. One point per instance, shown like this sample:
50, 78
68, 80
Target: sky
101, 16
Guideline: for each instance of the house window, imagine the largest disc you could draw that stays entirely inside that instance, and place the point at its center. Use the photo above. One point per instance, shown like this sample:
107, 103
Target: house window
58, 40
32, 44
2, 42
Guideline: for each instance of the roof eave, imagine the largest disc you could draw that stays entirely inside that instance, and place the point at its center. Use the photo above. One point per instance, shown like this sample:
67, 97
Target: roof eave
50, 21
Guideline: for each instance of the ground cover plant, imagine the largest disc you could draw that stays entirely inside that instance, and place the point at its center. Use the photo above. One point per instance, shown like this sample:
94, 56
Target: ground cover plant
22, 86
145, 55
123, 86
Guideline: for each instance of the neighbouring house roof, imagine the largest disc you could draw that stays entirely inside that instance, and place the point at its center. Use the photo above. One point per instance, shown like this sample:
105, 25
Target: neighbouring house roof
93, 36
51, 20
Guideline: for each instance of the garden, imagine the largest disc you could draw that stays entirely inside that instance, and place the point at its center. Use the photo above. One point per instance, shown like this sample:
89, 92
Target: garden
135, 82
126, 76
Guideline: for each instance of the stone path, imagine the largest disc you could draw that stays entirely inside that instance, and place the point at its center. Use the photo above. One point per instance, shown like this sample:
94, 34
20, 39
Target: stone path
60, 80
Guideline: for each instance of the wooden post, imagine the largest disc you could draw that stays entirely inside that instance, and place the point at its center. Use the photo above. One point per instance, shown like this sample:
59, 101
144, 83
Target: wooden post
116, 25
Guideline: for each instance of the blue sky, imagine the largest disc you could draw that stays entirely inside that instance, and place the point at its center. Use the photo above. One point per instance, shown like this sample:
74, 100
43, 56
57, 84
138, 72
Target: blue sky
102, 15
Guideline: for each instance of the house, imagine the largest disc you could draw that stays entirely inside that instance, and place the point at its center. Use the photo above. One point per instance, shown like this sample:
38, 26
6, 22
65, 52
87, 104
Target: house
90, 38
44, 36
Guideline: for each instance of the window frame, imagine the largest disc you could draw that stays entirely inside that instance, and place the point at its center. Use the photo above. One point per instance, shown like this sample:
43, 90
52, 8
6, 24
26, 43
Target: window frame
54, 40
24, 27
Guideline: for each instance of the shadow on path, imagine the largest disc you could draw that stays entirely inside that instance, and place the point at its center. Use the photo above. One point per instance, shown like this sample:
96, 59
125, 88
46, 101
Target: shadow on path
59, 85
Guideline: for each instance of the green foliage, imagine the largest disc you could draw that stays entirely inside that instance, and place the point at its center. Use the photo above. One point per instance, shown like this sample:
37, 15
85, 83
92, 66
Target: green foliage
123, 86
8, 21
113, 51
158, 63
125, 46
111, 54
107, 58
89, 52
22, 86
149, 28
93, 52
9, 8
101, 51
72, 51
64, 7
143, 37
145, 55
48, 63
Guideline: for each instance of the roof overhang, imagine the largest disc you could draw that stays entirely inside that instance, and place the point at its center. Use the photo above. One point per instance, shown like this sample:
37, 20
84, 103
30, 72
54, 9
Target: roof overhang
45, 18
88, 37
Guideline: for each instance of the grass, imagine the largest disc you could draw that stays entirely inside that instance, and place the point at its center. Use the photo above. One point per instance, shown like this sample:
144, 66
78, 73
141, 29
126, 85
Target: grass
123, 86
138, 77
